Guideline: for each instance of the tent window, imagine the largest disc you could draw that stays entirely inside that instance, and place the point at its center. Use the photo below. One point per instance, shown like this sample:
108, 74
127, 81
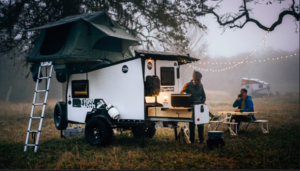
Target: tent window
111, 44
167, 76
55, 38
80, 89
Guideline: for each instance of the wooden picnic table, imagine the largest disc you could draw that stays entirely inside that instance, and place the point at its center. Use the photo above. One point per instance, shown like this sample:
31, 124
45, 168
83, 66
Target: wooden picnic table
237, 113
228, 116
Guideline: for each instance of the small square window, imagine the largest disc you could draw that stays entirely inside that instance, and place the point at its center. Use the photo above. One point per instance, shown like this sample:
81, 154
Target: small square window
167, 76
260, 86
80, 89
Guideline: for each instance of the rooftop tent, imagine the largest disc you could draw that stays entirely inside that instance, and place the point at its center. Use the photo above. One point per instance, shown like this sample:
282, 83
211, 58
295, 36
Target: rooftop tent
85, 37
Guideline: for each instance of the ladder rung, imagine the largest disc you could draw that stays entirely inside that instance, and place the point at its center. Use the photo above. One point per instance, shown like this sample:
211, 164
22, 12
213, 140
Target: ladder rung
43, 64
36, 117
42, 78
40, 91
32, 145
34, 131
39, 104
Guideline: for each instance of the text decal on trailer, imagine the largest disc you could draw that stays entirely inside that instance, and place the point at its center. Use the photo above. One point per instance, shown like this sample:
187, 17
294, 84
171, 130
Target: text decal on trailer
167, 89
88, 103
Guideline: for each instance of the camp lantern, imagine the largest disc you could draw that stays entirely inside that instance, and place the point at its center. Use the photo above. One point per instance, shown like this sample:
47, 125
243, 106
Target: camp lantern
165, 101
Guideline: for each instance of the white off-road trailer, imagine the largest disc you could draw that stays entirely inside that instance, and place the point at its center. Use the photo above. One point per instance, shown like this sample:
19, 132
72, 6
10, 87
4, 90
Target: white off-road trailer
140, 90
256, 87
106, 85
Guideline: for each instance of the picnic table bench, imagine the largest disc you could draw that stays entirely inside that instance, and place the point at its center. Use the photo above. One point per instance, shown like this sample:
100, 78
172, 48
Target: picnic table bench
229, 114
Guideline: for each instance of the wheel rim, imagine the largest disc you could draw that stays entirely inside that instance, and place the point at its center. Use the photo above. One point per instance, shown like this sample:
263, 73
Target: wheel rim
97, 134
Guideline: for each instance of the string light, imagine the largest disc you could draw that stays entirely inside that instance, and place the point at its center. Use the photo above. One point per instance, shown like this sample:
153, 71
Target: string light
237, 63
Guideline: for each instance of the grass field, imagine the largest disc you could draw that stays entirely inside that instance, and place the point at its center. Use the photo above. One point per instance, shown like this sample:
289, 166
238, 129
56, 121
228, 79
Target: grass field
250, 150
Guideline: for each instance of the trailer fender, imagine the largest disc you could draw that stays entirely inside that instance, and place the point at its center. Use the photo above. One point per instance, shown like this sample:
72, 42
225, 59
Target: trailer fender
102, 113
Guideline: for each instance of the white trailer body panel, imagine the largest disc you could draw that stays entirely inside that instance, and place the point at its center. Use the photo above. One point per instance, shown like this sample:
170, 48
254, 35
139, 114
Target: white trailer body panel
167, 90
125, 91
149, 70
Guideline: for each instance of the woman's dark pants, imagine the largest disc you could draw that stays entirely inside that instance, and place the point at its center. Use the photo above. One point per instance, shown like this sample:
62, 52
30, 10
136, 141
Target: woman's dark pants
192, 131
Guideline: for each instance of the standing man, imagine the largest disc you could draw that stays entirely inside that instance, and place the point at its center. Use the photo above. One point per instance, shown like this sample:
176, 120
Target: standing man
195, 88
244, 104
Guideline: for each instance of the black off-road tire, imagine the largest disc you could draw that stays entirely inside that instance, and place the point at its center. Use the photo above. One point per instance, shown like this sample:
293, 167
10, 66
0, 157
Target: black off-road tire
60, 116
98, 132
138, 131
150, 132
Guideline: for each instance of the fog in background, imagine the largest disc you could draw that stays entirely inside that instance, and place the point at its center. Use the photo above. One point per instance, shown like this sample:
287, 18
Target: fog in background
214, 46
235, 41
282, 74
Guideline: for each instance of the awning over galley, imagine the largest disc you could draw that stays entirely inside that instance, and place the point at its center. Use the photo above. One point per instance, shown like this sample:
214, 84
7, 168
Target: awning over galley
85, 37
180, 57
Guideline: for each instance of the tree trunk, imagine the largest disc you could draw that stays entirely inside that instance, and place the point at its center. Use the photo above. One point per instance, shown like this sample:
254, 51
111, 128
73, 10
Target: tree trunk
8, 93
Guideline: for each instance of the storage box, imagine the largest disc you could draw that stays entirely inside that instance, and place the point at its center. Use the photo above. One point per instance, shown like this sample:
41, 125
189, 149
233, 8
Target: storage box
73, 131
201, 114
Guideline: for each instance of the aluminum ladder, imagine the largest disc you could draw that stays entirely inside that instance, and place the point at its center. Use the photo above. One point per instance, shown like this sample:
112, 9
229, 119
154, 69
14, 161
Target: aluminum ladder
38, 132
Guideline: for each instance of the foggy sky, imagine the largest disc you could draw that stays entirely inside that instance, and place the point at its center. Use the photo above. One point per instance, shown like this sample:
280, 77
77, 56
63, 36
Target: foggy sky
235, 41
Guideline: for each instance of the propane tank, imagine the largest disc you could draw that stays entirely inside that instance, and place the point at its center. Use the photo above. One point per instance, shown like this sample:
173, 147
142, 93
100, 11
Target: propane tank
112, 111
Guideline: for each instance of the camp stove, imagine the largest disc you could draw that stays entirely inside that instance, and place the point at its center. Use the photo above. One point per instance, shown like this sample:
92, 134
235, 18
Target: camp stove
215, 138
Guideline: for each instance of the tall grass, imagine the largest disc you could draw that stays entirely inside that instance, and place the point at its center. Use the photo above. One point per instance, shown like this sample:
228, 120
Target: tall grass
249, 150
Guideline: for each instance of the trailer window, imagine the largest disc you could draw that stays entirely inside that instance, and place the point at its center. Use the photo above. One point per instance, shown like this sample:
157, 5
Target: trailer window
260, 86
167, 76
80, 89
247, 86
